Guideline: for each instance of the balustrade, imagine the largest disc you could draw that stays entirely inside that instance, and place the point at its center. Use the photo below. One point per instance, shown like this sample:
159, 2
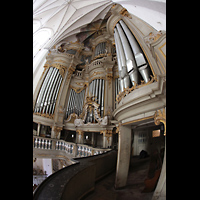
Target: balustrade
76, 150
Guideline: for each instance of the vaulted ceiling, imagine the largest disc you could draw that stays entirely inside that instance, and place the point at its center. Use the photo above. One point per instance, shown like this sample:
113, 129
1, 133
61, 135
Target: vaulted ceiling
65, 18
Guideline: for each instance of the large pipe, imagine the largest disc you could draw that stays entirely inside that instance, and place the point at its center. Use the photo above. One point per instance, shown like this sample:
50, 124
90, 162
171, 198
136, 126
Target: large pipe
44, 88
139, 57
97, 88
130, 61
118, 53
94, 87
54, 94
46, 91
68, 103
102, 100
52, 88
38, 101
99, 99
57, 90
121, 54
73, 102
123, 74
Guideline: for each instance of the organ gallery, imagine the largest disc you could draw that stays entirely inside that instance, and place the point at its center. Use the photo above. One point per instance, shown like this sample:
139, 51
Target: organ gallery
102, 89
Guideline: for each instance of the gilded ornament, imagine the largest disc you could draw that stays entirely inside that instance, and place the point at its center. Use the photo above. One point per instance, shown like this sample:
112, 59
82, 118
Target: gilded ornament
160, 116
135, 86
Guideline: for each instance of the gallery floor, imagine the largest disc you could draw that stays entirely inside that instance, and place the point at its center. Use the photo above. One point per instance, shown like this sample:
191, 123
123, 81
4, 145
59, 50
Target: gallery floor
104, 189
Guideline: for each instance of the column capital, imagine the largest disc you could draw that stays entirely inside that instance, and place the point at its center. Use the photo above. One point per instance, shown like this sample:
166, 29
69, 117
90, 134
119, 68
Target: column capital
80, 132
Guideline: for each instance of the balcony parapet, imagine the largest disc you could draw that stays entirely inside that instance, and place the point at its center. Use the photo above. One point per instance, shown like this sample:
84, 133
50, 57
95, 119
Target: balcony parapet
126, 91
48, 147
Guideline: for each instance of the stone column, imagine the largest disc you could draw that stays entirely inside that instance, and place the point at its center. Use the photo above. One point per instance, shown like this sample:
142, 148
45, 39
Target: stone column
55, 132
123, 157
104, 138
160, 191
79, 136
38, 129
93, 142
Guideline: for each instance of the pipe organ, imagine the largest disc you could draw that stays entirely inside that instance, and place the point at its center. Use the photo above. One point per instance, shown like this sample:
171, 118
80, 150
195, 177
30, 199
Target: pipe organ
100, 49
131, 59
95, 73
96, 90
46, 99
117, 88
75, 103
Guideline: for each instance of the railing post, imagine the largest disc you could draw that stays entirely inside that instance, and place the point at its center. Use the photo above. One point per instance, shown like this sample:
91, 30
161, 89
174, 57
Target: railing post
53, 144
74, 152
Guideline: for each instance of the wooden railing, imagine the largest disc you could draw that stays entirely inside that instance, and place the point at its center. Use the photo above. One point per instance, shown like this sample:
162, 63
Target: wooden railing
72, 149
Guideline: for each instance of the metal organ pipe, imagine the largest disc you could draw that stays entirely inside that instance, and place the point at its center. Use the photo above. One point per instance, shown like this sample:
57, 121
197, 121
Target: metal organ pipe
68, 103
51, 89
130, 61
138, 54
39, 98
44, 89
47, 90
123, 75
50, 100
99, 97
97, 87
120, 58
56, 94
102, 100
53, 95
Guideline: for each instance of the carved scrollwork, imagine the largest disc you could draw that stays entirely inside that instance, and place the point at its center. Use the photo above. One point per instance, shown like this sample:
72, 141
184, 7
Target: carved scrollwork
160, 116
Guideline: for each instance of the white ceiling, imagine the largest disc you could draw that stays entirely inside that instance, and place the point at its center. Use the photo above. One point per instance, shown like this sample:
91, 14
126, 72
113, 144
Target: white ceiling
64, 18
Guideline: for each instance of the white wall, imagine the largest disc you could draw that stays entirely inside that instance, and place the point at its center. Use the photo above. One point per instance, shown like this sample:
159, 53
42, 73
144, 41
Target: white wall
47, 165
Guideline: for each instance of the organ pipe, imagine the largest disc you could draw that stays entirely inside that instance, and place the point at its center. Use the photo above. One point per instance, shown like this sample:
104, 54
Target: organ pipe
44, 89
68, 104
53, 100
102, 101
139, 57
100, 48
99, 97
118, 53
39, 98
130, 61
124, 83
56, 95
75, 103
50, 100
48, 93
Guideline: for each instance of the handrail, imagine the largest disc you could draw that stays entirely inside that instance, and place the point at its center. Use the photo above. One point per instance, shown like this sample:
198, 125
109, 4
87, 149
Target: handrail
83, 174
71, 149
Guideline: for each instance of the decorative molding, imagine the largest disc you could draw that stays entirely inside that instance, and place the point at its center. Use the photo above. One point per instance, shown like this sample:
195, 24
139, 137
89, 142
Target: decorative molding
80, 132
125, 13
136, 86
50, 116
90, 105
72, 117
160, 116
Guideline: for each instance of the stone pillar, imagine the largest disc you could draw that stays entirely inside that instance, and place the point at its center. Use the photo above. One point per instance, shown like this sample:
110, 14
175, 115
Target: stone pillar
93, 142
107, 138
104, 138
160, 191
79, 136
55, 132
123, 157
38, 129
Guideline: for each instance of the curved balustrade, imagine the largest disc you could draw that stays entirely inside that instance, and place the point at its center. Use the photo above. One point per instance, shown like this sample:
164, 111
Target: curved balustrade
72, 149
77, 180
